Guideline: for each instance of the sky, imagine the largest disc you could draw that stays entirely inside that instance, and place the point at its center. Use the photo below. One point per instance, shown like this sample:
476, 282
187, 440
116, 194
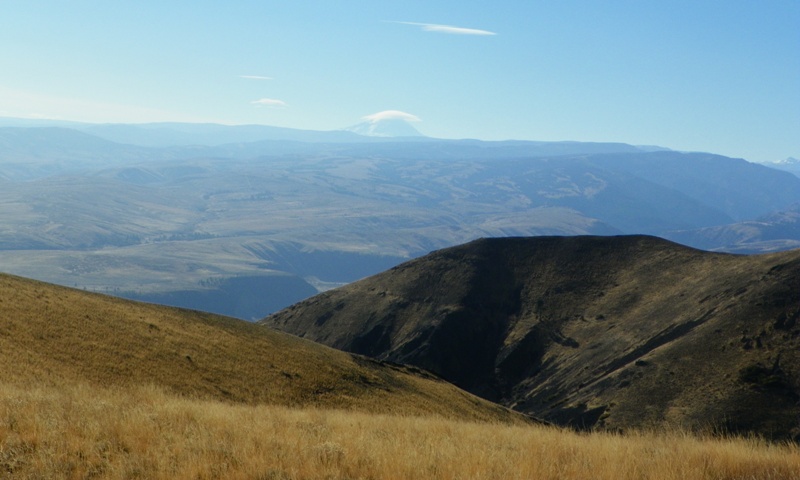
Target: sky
703, 75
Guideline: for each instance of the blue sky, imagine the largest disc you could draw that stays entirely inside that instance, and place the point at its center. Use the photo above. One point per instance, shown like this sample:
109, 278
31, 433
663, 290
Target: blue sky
717, 76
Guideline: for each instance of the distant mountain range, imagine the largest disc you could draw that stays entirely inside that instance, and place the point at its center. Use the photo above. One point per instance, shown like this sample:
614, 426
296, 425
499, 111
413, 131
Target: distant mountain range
184, 213
789, 164
594, 332
171, 134
772, 232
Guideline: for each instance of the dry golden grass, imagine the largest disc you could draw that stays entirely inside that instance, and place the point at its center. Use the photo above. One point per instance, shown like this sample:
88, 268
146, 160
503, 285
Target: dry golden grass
85, 431
95, 387
61, 336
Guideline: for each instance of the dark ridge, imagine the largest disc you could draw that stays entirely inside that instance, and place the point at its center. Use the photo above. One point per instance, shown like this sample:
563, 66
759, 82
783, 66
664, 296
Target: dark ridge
593, 332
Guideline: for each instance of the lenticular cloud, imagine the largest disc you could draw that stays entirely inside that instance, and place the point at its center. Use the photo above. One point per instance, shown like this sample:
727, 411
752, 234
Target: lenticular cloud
392, 115
269, 102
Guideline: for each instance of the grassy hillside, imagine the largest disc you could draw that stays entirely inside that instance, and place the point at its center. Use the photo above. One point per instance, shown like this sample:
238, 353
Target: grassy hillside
84, 431
96, 387
55, 336
607, 332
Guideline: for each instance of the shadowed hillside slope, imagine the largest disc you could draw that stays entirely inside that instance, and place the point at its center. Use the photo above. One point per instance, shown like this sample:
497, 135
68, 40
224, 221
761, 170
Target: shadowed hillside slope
59, 336
605, 332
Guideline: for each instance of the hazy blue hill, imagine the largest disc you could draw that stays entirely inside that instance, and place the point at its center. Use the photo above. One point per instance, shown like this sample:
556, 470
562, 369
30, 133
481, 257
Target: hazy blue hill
35, 152
776, 231
741, 189
171, 134
52, 143
177, 134
425, 148
790, 164
197, 141
615, 197
82, 210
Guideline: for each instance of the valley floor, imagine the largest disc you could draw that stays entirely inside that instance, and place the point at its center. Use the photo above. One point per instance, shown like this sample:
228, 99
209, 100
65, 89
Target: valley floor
81, 432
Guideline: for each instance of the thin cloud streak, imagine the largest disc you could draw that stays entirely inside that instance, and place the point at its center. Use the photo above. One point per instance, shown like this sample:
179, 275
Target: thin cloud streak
255, 77
449, 29
269, 102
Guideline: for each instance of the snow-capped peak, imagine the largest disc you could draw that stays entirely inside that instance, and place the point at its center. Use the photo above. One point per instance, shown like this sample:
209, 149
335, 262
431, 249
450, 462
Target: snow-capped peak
389, 123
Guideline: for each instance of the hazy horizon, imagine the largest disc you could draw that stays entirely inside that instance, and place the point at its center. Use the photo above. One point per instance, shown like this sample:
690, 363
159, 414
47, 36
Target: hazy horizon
692, 76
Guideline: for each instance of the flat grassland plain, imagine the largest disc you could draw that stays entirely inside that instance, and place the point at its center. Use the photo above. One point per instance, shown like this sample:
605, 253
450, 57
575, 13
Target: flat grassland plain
98, 387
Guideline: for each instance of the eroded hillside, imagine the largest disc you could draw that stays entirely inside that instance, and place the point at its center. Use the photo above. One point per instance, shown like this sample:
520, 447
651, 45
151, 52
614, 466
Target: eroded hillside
605, 332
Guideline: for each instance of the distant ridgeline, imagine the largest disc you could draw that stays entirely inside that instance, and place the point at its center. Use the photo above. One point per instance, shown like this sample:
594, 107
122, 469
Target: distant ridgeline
178, 213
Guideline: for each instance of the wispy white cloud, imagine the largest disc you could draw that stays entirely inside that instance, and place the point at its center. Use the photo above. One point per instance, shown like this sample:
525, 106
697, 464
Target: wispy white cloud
269, 102
433, 27
392, 115
255, 77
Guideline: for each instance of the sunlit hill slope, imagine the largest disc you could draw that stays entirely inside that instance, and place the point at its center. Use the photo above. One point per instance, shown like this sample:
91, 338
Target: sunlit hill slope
59, 336
95, 387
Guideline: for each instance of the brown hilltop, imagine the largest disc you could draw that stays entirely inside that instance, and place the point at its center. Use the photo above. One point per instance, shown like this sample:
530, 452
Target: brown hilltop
604, 332
53, 336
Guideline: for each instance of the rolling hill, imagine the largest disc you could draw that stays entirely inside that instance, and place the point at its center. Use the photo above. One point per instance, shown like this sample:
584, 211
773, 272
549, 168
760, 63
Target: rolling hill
59, 337
777, 231
595, 332
178, 213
